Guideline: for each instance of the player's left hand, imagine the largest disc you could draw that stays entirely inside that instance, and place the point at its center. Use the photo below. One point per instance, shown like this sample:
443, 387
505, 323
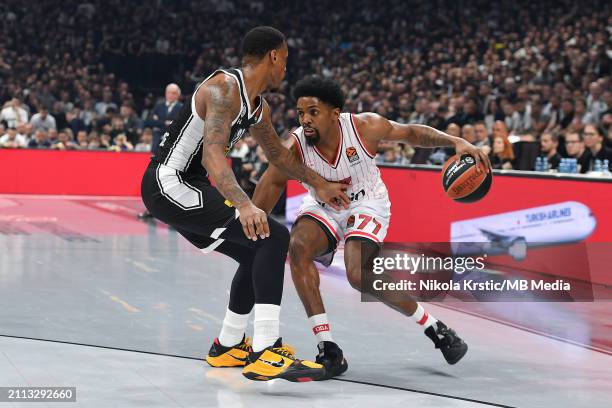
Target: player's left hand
464, 147
333, 194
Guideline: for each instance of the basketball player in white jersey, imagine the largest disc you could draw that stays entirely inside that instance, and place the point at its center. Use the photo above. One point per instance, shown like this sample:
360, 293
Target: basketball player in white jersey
341, 147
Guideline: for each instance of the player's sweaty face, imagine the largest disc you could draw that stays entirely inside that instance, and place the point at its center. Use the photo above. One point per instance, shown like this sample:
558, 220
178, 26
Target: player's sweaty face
315, 117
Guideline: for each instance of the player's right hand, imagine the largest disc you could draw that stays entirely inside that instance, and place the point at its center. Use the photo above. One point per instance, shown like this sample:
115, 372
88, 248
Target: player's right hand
333, 194
254, 222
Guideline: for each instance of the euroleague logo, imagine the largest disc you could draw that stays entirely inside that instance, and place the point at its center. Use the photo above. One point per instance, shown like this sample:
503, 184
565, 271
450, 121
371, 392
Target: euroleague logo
351, 154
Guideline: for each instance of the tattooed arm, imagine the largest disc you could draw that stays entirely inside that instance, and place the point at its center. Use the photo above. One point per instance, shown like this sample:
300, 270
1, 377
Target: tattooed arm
289, 163
374, 128
221, 102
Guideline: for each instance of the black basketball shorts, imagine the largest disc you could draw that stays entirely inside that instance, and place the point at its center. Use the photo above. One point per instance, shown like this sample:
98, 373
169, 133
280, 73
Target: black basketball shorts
189, 204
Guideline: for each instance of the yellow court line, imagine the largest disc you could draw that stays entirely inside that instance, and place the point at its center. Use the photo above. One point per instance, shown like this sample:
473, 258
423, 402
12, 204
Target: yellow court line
202, 313
142, 266
123, 303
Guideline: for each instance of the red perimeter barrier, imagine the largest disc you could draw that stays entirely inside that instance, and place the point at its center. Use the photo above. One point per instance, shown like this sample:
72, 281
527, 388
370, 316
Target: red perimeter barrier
421, 212
71, 172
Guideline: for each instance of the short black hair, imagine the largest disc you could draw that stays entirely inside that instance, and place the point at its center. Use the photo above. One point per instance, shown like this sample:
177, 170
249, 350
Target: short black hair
261, 40
598, 128
327, 90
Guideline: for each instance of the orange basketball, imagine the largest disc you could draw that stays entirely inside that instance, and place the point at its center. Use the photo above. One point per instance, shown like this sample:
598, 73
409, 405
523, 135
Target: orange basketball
462, 182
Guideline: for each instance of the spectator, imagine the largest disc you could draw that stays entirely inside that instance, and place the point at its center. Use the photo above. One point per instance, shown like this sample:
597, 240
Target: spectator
121, 144
472, 114
593, 136
393, 156
27, 130
144, 145
460, 117
468, 133
88, 114
500, 129
606, 124
595, 103
131, 123
240, 150
548, 148
502, 155
74, 121
105, 141
43, 120
432, 72
521, 118
82, 142
12, 139
581, 116
574, 145
106, 119
39, 141
261, 167
493, 113
481, 135
537, 120
165, 112
94, 141
567, 113
147, 108
14, 113
64, 141
59, 115
107, 102
52, 136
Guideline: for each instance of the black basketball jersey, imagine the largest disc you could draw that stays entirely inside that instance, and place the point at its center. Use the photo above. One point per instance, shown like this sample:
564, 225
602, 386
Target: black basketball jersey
181, 145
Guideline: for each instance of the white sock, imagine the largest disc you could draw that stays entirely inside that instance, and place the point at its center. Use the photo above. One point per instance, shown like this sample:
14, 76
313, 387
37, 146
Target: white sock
320, 327
423, 318
234, 326
265, 330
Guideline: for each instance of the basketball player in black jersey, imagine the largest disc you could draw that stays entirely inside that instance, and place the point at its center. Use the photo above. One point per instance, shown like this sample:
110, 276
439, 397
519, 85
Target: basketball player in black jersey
176, 189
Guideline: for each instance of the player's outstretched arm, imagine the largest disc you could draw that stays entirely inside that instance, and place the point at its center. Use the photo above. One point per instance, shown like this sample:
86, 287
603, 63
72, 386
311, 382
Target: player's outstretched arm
372, 125
269, 188
220, 100
271, 185
331, 193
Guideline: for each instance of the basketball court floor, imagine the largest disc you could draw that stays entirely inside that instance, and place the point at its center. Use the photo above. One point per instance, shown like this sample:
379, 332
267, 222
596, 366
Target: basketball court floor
124, 310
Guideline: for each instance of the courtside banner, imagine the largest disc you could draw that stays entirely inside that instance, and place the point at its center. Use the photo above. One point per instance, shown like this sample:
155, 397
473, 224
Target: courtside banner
485, 271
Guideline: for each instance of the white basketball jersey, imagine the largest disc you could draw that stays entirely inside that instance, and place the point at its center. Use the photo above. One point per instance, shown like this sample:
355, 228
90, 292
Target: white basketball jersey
353, 164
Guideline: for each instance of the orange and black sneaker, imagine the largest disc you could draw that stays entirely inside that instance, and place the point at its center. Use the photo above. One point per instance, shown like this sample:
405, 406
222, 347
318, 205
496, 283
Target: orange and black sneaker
233, 356
278, 361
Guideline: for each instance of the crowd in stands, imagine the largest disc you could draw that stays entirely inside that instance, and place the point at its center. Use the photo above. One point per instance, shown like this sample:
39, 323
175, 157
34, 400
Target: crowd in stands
506, 75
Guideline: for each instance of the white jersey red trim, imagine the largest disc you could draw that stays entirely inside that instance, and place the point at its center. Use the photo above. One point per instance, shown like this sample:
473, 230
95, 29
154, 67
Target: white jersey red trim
353, 164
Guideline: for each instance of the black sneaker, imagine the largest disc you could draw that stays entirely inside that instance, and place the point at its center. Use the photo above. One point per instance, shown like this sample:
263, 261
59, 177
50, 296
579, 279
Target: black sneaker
331, 356
452, 347
145, 215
